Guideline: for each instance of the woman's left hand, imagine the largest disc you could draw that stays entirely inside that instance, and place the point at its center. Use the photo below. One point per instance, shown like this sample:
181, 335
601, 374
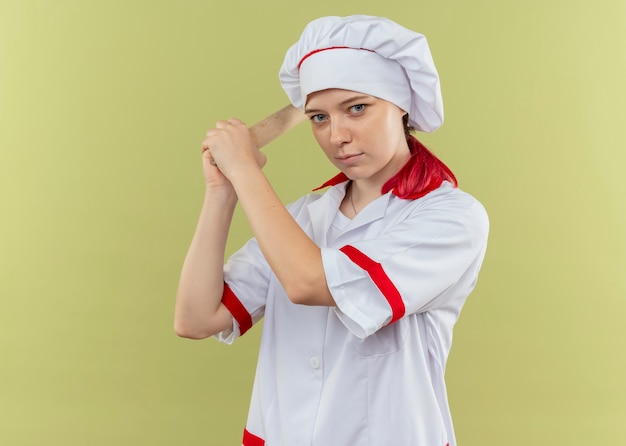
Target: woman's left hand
232, 148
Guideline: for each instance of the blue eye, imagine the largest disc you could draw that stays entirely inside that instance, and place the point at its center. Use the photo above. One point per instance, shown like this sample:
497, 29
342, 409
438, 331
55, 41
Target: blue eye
317, 118
357, 108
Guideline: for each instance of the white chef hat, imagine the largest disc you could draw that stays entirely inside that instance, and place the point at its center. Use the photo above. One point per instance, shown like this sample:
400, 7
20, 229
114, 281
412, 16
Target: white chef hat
371, 55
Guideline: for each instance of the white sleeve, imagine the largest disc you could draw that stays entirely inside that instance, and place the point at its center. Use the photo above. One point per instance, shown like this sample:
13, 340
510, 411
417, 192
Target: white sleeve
229, 335
246, 281
427, 261
247, 276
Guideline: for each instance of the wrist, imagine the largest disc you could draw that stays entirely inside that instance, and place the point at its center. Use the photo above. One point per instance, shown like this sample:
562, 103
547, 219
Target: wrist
245, 174
221, 195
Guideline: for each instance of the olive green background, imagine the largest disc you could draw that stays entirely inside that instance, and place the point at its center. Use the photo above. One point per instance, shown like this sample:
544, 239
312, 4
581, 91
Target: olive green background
103, 106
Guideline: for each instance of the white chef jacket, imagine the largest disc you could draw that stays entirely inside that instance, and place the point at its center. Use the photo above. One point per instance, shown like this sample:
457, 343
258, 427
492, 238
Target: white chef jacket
369, 371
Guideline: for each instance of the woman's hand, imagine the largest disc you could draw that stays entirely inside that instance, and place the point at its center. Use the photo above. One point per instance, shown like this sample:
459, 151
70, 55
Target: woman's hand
238, 161
226, 148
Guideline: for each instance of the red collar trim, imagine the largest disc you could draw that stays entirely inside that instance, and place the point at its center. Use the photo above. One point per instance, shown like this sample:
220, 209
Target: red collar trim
337, 179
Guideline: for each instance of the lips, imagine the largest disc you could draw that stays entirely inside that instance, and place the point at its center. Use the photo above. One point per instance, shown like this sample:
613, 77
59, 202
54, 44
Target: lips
349, 159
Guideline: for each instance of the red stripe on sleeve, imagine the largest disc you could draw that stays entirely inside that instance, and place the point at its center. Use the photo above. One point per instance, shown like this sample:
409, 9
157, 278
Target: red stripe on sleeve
380, 278
251, 439
237, 309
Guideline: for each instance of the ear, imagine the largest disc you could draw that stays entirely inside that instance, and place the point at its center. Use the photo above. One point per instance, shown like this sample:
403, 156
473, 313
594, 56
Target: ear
405, 124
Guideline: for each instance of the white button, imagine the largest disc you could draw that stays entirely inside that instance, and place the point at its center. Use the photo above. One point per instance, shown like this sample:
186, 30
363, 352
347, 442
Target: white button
315, 362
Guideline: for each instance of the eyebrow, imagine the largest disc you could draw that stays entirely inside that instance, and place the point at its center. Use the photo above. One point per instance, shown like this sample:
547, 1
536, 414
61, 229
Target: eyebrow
342, 103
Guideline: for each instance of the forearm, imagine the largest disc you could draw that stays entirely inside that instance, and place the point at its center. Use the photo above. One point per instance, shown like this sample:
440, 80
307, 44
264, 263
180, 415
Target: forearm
199, 312
293, 256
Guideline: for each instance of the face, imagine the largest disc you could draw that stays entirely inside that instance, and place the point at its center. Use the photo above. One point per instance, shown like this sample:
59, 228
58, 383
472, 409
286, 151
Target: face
361, 135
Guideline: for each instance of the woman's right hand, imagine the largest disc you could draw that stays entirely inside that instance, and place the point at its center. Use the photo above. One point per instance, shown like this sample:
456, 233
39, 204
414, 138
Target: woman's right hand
231, 146
212, 174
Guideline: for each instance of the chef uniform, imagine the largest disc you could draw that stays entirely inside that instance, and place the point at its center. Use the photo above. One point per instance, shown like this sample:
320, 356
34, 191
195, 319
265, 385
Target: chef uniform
369, 371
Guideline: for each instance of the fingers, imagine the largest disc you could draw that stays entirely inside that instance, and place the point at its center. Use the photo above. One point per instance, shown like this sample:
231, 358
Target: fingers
205, 148
229, 140
222, 128
221, 124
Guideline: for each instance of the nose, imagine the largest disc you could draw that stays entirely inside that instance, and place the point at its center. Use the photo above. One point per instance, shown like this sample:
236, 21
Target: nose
339, 132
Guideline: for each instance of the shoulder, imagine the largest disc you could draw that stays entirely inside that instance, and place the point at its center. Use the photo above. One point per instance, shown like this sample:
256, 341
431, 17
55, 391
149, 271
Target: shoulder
450, 206
449, 197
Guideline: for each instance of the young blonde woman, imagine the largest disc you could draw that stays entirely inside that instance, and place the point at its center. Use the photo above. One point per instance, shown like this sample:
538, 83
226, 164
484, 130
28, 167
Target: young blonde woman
360, 285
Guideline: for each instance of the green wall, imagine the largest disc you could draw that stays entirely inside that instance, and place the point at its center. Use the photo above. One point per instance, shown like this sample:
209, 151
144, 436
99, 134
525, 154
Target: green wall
103, 106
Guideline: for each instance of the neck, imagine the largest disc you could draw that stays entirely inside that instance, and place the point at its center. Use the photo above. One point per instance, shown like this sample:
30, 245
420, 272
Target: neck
359, 195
